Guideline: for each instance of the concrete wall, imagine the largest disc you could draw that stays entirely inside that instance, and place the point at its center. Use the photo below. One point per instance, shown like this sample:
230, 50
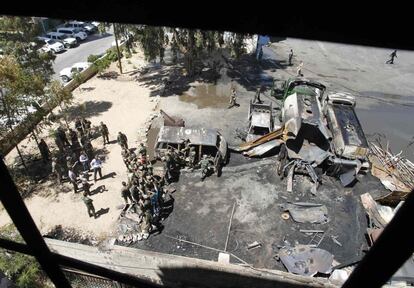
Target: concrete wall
179, 271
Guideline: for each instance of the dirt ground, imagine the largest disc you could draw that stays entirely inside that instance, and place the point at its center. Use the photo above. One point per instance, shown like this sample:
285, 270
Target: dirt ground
124, 106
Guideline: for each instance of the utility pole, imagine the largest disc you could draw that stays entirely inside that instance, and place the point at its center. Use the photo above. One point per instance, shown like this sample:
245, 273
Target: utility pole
117, 48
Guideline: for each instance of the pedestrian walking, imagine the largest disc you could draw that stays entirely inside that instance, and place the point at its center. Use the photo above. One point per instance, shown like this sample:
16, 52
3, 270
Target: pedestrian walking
233, 99
392, 56
257, 96
96, 165
299, 69
86, 187
290, 57
57, 170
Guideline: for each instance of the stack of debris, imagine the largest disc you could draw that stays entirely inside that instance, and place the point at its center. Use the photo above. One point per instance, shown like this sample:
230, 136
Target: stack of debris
395, 172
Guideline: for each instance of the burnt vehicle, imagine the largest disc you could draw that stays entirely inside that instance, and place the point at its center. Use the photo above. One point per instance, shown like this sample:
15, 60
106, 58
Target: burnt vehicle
205, 142
320, 131
260, 119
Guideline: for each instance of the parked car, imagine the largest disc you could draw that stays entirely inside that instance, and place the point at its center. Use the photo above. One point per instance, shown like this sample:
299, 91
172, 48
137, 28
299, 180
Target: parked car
50, 45
73, 32
67, 41
83, 26
67, 74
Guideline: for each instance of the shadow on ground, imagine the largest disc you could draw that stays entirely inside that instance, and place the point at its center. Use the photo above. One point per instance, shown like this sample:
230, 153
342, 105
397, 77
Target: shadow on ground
88, 109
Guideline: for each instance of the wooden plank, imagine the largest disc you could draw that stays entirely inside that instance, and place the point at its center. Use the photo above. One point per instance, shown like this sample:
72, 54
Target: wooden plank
372, 210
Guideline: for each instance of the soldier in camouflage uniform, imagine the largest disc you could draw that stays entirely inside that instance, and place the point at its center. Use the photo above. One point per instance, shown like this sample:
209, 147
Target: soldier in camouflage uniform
89, 205
205, 167
125, 193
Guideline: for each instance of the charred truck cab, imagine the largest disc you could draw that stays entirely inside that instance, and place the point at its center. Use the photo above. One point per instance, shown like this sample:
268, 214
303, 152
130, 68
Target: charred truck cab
320, 131
260, 119
205, 141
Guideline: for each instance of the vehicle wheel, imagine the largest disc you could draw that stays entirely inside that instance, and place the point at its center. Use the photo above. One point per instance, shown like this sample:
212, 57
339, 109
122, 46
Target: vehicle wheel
78, 39
65, 79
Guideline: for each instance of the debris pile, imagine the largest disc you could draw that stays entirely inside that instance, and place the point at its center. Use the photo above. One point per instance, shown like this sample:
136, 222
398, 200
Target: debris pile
395, 171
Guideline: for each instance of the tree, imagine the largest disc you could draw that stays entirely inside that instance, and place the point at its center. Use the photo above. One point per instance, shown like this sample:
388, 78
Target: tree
18, 87
59, 96
18, 38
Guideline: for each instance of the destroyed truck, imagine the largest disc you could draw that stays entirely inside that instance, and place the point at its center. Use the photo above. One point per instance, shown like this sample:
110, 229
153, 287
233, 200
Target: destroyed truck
205, 141
260, 119
320, 131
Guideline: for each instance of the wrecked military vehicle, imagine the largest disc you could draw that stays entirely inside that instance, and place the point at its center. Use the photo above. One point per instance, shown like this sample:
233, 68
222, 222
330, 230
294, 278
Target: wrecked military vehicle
260, 118
205, 141
320, 133
321, 130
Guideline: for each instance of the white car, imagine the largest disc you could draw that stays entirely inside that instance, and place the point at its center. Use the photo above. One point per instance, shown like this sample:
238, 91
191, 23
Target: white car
51, 45
67, 74
88, 28
66, 40
73, 32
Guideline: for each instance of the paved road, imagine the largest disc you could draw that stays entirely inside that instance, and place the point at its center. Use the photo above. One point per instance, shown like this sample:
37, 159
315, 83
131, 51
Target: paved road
385, 102
94, 44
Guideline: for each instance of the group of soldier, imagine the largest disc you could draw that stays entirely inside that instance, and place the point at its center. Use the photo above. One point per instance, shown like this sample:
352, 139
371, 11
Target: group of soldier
75, 157
143, 191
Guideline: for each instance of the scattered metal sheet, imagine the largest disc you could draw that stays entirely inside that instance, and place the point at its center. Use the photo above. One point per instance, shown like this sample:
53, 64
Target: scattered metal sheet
305, 260
254, 245
263, 148
277, 134
304, 212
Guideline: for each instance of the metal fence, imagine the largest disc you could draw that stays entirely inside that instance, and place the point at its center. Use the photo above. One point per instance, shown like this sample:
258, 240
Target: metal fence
79, 279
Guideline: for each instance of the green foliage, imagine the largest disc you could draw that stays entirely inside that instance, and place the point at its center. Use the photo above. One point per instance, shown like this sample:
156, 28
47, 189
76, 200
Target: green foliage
112, 54
21, 269
92, 58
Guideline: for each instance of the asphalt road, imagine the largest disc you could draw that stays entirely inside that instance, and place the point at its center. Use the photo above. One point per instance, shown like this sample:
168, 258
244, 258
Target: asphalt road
94, 44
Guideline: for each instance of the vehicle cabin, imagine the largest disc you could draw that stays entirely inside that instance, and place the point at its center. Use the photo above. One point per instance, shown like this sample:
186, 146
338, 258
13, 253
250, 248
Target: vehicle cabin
260, 119
205, 141
304, 87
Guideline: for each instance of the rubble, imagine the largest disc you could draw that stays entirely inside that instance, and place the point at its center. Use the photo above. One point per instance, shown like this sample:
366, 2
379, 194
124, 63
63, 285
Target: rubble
305, 260
304, 212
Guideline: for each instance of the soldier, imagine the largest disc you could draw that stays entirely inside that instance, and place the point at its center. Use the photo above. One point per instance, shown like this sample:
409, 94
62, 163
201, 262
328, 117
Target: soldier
290, 57
87, 127
299, 69
73, 179
233, 99
57, 170
257, 96
78, 126
134, 191
205, 166
75, 142
44, 150
104, 132
59, 144
147, 219
88, 150
392, 56
191, 157
125, 156
122, 140
167, 167
125, 193
142, 149
86, 187
89, 205
186, 148
60, 133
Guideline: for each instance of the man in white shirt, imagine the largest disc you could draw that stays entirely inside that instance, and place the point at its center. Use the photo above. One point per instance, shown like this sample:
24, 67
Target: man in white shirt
73, 179
96, 165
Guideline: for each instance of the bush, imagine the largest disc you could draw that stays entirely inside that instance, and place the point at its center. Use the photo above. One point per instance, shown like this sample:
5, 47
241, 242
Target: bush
112, 54
92, 58
19, 268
